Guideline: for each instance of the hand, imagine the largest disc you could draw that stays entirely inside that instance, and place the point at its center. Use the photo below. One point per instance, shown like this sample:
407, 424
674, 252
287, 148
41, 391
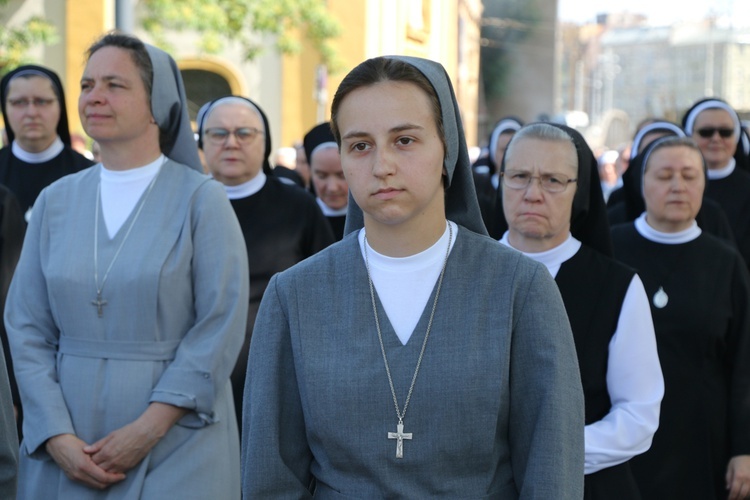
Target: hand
67, 451
738, 477
123, 449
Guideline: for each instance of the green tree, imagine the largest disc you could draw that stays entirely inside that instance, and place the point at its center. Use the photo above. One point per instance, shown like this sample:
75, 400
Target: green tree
15, 41
221, 21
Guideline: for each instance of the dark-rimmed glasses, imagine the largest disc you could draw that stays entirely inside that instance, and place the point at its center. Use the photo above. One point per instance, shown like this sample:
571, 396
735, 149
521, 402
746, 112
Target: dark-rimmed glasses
521, 179
243, 135
709, 132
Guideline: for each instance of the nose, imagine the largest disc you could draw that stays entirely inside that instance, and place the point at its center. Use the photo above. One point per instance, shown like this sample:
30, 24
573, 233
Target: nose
534, 189
383, 163
93, 96
231, 141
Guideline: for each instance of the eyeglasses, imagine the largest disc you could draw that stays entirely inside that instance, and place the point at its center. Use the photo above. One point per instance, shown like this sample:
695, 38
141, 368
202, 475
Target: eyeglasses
709, 132
521, 179
244, 135
23, 102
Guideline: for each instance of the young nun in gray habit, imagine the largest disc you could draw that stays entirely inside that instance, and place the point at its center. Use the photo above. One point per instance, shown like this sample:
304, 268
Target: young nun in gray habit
553, 205
374, 372
129, 302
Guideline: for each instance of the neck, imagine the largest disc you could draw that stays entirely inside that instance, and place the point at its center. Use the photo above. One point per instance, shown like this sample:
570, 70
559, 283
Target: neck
669, 226
535, 245
35, 146
125, 157
403, 240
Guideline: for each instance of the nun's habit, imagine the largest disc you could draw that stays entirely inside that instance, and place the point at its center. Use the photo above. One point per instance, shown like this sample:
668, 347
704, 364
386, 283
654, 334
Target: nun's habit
728, 186
26, 173
487, 180
629, 205
614, 335
281, 225
485, 420
700, 303
318, 138
173, 311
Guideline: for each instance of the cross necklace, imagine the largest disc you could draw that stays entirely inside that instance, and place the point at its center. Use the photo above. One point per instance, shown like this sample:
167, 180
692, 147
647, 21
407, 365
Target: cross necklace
400, 435
100, 302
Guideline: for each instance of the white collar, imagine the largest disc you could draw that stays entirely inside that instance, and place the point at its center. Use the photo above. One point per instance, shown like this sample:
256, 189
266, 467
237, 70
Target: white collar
554, 257
723, 172
132, 174
678, 238
52, 151
246, 189
328, 211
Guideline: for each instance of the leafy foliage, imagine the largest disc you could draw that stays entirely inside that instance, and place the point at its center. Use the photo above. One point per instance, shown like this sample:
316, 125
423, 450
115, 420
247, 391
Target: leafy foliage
221, 21
16, 41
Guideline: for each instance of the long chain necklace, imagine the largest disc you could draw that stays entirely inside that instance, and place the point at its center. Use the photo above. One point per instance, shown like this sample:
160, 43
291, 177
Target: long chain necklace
100, 302
400, 435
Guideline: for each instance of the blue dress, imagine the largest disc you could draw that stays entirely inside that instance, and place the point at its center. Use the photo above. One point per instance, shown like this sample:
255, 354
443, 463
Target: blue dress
170, 331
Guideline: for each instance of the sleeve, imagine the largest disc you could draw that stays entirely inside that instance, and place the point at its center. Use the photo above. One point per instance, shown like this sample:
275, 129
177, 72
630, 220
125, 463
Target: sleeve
738, 360
546, 407
33, 337
8, 437
635, 385
12, 229
275, 455
208, 351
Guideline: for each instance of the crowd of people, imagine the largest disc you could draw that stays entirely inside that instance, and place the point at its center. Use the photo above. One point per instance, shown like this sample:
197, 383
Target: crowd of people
187, 317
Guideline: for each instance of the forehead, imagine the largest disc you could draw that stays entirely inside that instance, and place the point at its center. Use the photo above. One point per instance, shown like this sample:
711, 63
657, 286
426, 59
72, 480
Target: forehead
111, 62
551, 156
326, 160
235, 114
674, 157
714, 116
33, 85
385, 104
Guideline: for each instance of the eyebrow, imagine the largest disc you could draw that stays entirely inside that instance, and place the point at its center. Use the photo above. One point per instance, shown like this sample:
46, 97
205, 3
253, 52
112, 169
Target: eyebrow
355, 134
106, 78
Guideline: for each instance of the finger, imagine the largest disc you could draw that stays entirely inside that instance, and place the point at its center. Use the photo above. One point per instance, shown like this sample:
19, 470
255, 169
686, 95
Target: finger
98, 475
95, 447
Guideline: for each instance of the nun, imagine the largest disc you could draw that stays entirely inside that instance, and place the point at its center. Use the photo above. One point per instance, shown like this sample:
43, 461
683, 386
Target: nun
711, 217
281, 224
487, 177
552, 202
373, 373
129, 302
327, 179
39, 151
699, 294
715, 126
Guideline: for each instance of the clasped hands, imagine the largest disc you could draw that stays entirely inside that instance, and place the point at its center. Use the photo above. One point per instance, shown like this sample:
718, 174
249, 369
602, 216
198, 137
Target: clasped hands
105, 462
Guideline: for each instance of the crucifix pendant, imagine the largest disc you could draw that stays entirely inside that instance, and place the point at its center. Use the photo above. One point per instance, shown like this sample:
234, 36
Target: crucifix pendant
399, 436
99, 303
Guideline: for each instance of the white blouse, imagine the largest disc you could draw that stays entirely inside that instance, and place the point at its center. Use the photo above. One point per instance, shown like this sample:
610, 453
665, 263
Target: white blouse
634, 379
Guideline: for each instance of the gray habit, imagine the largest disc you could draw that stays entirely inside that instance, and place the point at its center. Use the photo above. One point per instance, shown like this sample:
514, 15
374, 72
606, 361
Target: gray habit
496, 412
170, 332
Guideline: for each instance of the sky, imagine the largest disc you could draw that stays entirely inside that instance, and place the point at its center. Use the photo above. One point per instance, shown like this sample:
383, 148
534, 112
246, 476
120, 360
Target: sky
659, 12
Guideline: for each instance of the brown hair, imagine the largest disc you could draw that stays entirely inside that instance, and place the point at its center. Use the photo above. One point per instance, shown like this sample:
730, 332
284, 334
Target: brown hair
384, 69
138, 53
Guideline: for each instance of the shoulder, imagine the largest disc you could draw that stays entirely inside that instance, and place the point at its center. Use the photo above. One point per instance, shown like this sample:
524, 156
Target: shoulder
74, 160
719, 248
291, 192
596, 260
324, 269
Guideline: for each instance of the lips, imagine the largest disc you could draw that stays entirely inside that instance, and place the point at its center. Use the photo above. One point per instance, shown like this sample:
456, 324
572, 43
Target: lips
386, 193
